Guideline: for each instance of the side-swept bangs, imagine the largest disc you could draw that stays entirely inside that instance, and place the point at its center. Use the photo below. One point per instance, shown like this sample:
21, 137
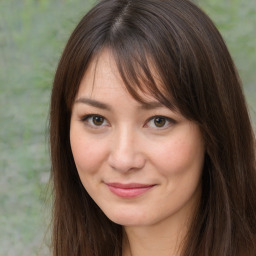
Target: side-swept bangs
169, 55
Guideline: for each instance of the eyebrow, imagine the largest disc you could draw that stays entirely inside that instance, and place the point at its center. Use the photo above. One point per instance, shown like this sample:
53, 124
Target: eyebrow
94, 103
151, 105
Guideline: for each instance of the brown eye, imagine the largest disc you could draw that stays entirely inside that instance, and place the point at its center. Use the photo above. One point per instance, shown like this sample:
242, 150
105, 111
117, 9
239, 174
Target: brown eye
159, 121
97, 120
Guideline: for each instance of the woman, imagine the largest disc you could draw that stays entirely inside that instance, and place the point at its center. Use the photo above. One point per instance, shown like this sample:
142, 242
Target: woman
152, 148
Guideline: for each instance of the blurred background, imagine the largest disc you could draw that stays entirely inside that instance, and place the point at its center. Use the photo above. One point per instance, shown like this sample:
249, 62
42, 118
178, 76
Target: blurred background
32, 36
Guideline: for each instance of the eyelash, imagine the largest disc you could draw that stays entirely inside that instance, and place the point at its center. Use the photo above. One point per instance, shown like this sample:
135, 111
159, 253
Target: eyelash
86, 118
167, 121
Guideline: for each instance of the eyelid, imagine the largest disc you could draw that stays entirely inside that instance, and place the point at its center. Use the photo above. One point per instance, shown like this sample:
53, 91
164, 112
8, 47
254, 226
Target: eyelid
85, 118
169, 120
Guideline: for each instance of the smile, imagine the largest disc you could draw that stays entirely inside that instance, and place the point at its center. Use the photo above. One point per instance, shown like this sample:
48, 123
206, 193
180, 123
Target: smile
129, 190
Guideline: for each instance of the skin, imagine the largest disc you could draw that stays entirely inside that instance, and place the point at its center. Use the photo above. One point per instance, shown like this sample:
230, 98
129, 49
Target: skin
124, 142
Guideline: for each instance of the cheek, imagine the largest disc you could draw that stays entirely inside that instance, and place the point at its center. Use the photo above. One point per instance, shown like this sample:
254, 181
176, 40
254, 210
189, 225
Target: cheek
181, 156
88, 154
188, 155
180, 162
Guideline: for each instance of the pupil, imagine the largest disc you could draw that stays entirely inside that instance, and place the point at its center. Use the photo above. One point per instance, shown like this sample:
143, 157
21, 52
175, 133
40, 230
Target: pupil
98, 120
159, 121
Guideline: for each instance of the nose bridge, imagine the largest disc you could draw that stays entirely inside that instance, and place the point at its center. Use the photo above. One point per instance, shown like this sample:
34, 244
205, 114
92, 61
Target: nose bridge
125, 150
124, 140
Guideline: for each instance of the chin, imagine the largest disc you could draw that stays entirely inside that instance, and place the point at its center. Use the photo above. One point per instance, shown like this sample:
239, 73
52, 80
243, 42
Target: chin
129, 218
128, 222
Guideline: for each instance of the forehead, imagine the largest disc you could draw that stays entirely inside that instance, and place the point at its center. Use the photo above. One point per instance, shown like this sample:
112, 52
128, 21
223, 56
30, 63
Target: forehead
102, 80
103, 76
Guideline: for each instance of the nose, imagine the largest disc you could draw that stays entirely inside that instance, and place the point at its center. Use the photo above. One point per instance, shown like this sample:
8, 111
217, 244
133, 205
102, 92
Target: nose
126, 153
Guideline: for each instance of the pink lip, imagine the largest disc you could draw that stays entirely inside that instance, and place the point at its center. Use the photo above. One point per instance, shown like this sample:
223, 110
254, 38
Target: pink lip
129, 190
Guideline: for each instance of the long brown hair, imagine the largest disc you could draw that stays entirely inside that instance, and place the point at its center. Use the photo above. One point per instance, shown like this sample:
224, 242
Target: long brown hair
199, 78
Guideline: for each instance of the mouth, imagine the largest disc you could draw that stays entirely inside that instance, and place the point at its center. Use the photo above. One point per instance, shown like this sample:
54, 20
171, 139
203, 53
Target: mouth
130, 190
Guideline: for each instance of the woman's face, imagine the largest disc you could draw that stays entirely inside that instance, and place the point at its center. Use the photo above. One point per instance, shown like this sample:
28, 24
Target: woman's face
140, 163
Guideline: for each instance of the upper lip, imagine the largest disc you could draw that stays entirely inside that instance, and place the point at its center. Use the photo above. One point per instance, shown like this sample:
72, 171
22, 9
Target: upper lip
129, 185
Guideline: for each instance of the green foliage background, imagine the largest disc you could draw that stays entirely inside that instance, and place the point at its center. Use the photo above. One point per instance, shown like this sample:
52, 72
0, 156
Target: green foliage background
32, 36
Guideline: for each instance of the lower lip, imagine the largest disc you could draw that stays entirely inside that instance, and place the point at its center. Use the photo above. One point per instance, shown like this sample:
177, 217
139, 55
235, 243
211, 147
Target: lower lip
129, 192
